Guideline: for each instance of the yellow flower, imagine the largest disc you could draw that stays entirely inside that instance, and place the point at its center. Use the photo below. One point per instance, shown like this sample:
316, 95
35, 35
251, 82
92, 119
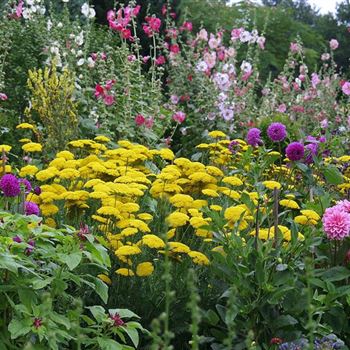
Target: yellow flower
25, 140
232, 180
166, 154
105, 278
32, 147
46, 174
144, 269
215, 207
48, 209
50, 222
181, 200
145, 216
28, 170
310, 214
102, 138
66, 155
108, 210
5, 148
124, 272
198, 258
152, 241
216, 134
210, 193
272, 185
289, 203
177, 219
177, 247
25, 126
127, 250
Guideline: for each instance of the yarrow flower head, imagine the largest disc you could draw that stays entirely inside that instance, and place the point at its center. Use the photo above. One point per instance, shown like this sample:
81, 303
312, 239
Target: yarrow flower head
277, 132
10, 185
295, 151
254, 137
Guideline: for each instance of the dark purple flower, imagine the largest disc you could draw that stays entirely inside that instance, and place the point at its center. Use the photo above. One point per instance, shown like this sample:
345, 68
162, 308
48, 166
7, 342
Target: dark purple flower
37, 323
37, 190
295, 151
253, 137
9, 184
26, 184
17, 239
31, 208
84, 230
30, 249
233, 147
311, 151
277, 132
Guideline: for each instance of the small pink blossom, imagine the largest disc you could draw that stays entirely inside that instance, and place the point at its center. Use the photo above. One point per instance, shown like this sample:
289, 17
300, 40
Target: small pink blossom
179, 117
131, 58
99, 91
187, 26
282, 108
236, 33
202, 35
324, 123
334, 44
315, 80
346, 88
3, 97
261, 42
175, 49
174, 99
19, 9
145, 59
160, 60
149, 123
109, 84
295, 47
108, 100
140, 120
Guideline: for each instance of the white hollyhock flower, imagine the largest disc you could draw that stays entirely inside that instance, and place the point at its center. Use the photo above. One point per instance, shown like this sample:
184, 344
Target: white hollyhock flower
85, 9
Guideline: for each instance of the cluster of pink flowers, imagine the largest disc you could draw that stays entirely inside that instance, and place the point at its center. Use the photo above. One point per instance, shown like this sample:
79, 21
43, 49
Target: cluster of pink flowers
141, 120
121, 19
151, 26
336, 221
104, 92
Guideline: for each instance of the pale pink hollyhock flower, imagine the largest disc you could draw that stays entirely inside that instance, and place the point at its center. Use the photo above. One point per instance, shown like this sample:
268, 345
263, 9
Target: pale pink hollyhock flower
301, 77
110, 15
210, 59
349, 121
346, 88
231, 52
324, 123
3, 97
236, 33
325, 56
261, 42
294, 47
174, 99
109, 84
187, 26
315, 80
282, 108
19, 9
145, 59
103, 56
179, 117
214, 42
140, 120
334, 44
149, 123
202, 35
108, 100
94, 56
131, 58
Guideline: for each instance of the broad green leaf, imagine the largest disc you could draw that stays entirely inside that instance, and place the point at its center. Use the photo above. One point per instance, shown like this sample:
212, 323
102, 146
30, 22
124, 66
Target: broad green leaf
98, 312
123, 313
39, 284
19, 328
71, 260
109, 344
337, 273
133, 334
284, 321
332, 175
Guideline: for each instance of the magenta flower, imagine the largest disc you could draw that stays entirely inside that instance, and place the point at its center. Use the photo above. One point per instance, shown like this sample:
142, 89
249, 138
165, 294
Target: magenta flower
179, 117
140, 120
31, 208
117, 321
346, 88
253, 137
277, 132
26, 184
311, 151
295, 151
10, 185
333, 44
108, 100
3, 97
336, 223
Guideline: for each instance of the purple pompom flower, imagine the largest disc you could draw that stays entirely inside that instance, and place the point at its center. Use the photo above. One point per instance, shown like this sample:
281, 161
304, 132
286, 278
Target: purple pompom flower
31, 208
277, 132
295, 151
26, 184
10, 186
253, 137
311, 151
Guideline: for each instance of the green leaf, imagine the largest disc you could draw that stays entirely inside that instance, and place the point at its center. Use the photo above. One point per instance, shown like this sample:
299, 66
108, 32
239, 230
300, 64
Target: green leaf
98, 312
60, 319
332, 175
109, 344
337, 273
284, 321
39, 284
133, 334
101, 289
8, 263
19, 328
123, 313
71, 260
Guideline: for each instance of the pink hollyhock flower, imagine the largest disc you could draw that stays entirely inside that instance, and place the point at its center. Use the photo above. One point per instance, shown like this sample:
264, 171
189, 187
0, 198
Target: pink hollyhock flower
140, 120
109, 84
174, 99
103, 56
154, 23
175, 49
187, 26
149, 123
99, 91
236, 33
160, 60
334, 44
131, 58
19, 9
214, 42
115, 26
108, 100
126, 34
261, 42
179, 117
3, 97
136, 10
315, 80
346, 88
145, 59
164, 10
324, 123
282, 108
294, 47
210, 59
202, 35
336, 223
94, 56
110, 15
